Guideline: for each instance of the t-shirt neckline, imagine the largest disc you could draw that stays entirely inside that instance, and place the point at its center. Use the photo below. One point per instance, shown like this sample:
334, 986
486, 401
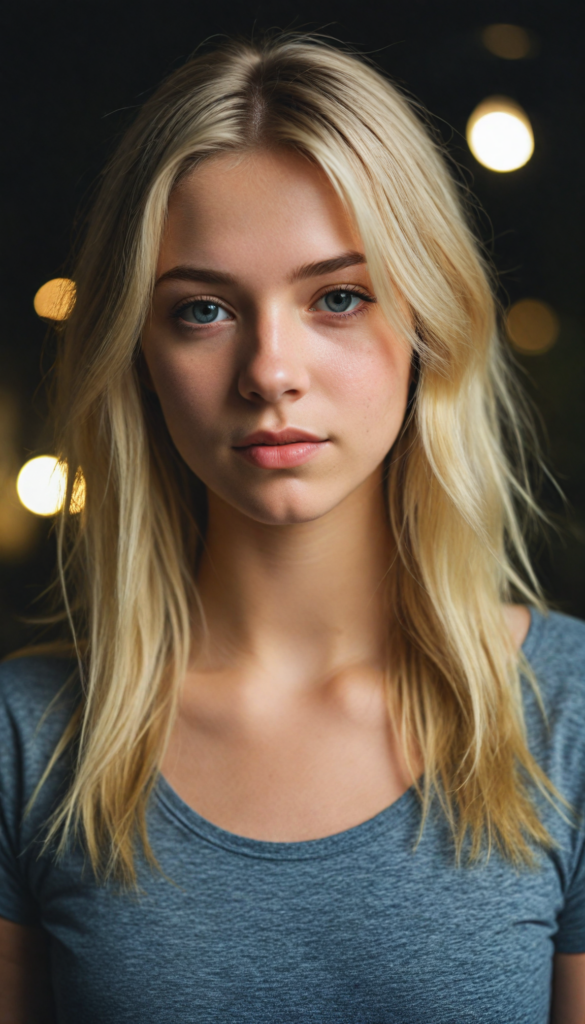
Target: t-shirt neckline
325, 846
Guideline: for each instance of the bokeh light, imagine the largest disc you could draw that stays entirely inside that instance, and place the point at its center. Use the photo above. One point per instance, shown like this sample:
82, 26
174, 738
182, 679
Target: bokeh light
499, 134
41, 486
533, 327
55, 299
512, 42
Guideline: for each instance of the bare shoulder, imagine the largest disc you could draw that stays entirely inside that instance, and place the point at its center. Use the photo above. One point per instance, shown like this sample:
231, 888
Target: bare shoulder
518, 619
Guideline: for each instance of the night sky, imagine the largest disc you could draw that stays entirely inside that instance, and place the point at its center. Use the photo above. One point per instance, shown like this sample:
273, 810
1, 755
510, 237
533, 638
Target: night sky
74, 73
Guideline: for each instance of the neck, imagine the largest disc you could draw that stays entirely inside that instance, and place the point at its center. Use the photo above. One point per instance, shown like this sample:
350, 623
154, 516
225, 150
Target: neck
300, 602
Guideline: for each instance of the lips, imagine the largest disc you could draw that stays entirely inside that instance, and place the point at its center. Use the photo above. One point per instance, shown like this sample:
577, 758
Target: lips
268, 437
280, 450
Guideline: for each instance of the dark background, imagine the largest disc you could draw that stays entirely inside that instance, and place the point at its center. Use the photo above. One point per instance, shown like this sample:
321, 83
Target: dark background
74, 73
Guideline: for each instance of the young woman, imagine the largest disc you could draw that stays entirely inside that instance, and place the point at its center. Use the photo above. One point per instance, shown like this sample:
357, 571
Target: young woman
310, 762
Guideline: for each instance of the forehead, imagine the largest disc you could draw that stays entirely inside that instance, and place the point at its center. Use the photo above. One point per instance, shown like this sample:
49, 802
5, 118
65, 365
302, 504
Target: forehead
266, 207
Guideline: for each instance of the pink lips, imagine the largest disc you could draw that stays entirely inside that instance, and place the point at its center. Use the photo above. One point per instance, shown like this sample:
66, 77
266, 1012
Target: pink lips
289, 447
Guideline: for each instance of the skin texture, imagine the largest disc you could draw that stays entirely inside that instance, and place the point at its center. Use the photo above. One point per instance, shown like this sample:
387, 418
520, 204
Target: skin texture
277, 361
283, 732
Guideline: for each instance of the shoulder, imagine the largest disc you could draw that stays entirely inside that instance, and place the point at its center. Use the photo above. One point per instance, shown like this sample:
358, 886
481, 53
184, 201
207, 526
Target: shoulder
30, 683
557, 632
37, 697
555, 650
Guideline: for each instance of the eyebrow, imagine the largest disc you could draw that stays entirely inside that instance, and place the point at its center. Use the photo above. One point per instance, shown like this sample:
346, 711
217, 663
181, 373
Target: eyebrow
345, 259
318, 269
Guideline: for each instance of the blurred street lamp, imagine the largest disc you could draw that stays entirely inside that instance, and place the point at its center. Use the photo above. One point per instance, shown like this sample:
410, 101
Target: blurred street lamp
499, 134
41, 486
55, 299
533, 327
511, 42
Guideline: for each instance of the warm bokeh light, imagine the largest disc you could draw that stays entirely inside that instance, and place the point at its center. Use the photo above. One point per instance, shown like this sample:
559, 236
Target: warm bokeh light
56, 298
512, 42
533, 327
78, 496
41, 487
499, 134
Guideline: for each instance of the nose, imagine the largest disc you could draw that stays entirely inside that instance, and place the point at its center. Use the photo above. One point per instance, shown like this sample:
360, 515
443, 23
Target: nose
275, 364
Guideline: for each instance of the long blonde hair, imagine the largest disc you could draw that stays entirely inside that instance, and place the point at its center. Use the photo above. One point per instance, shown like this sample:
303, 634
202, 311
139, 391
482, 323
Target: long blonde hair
127, 562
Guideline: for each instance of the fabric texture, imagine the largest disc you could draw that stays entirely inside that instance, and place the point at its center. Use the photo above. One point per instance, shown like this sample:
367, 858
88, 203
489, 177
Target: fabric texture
353, 928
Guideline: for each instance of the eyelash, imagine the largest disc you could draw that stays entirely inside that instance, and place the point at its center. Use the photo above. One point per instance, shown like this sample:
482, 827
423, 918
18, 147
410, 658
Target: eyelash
353, 291
176, 313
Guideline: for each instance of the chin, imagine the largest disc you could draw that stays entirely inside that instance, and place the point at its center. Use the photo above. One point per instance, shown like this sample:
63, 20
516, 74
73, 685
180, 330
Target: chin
291, 519
286, 510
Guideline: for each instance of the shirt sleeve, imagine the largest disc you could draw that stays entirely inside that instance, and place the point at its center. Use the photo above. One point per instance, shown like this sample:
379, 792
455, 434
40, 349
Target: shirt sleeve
570, 937
558, 658
16, 903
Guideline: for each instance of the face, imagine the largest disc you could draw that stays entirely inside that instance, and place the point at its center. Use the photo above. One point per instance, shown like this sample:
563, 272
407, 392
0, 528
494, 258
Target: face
282, 385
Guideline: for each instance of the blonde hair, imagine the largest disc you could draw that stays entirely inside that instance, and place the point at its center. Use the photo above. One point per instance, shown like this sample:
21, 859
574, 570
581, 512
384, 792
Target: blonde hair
126, 562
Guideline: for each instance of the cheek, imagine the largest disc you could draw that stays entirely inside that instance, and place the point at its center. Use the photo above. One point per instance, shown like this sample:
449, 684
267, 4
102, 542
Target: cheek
190, 397
371, 384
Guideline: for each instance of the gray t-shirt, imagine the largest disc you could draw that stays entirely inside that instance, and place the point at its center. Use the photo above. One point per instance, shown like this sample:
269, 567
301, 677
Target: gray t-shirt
349, 929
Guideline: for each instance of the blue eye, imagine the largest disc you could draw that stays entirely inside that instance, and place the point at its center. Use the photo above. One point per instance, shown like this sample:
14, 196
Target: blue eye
340, 301
203, 312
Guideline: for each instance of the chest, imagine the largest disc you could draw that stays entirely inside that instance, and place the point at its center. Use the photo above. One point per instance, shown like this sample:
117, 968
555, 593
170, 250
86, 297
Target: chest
359, 929
299, 771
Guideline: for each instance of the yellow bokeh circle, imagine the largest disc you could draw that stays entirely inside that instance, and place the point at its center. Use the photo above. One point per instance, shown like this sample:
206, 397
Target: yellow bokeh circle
512, 42
499, 135
533, 326
55, 299
41, 486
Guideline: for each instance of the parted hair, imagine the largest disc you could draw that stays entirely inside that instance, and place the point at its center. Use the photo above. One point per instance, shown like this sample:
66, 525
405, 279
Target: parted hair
456, 482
